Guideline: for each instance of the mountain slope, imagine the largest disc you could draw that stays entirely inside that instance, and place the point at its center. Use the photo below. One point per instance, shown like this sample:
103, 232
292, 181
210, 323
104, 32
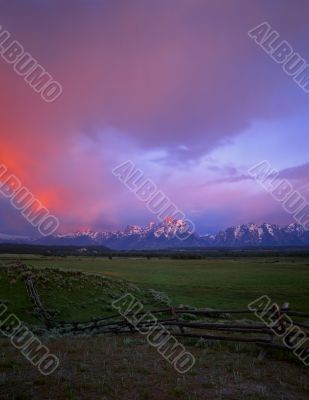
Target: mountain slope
169, 233
262, 235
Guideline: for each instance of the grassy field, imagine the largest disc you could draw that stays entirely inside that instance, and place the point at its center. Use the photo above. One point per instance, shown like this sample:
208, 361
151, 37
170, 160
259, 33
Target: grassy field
111, 367
213, 283
68, 295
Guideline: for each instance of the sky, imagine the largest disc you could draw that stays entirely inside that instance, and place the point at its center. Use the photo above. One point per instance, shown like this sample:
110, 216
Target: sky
176, 86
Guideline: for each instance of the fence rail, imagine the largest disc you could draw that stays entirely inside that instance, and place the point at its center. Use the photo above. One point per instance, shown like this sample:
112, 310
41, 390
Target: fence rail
173, 319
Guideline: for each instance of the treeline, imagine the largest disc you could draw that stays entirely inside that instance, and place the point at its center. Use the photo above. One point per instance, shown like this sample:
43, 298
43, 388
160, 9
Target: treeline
60, 251
175, 254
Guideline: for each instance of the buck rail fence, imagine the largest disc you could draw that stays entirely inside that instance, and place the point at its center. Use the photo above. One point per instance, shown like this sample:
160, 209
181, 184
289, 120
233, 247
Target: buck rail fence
178, 321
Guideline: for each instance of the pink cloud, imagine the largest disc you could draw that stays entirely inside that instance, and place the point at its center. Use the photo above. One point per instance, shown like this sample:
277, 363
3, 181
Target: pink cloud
165, 74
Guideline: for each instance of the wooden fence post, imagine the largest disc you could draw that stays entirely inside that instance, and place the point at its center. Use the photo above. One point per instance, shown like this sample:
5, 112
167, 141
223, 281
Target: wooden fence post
175, 315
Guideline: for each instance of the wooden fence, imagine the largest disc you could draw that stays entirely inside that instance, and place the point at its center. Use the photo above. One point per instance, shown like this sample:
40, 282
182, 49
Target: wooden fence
177, 322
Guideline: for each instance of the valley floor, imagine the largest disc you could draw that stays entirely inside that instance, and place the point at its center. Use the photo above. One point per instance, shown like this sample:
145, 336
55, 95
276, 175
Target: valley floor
113, 367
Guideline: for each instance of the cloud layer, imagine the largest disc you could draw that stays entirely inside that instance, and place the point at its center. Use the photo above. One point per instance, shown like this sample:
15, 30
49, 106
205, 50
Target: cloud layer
164, 83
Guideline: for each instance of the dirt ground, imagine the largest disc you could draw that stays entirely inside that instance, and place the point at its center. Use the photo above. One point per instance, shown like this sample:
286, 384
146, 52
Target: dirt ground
117, 367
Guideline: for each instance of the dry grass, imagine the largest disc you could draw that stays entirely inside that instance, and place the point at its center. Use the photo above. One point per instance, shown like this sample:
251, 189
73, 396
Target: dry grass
116, 367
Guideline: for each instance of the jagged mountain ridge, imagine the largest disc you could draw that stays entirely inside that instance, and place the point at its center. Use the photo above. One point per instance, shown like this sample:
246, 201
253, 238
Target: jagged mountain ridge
163, 236
157, 236
260, 235
153, 236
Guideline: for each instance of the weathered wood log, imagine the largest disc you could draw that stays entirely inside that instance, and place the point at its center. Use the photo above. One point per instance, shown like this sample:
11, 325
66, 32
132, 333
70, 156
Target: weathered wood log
220, 327
175, 315
35, 299
301, 324
297, 313
223, 338
209, 312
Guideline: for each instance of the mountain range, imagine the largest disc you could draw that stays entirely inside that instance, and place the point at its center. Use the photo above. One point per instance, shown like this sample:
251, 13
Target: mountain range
168, 234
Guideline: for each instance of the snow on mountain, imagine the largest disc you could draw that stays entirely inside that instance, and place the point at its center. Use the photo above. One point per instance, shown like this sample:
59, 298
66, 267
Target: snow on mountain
133, 230
296, 229
167, 233
262, 235
5, 237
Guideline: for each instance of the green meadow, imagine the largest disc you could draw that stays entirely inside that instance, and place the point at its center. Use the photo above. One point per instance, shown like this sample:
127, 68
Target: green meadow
215, 283
81, 288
